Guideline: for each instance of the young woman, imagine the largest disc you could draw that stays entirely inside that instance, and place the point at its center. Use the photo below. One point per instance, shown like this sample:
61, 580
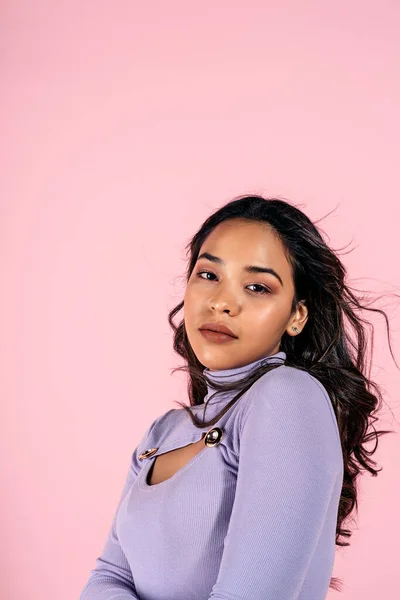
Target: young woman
242, 494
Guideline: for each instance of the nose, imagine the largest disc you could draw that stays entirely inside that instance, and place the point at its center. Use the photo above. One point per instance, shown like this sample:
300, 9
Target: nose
225, 302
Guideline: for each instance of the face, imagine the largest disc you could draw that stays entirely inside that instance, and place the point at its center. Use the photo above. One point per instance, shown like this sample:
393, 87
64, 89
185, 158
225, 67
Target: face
254, 305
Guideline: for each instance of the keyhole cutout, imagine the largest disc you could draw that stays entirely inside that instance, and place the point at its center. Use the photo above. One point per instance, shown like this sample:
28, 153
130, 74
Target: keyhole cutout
165, 465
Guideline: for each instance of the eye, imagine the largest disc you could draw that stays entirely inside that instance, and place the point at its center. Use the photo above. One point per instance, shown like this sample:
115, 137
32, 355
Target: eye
262, 288
200, 273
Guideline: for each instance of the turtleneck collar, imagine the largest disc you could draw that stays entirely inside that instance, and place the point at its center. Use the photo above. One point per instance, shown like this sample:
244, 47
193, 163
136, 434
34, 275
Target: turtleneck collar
234, 374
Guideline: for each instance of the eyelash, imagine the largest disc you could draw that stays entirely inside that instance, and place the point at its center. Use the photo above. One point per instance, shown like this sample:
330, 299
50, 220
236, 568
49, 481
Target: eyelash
266, 290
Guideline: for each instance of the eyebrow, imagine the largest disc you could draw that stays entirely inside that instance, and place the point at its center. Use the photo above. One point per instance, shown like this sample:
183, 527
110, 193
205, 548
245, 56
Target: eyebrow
248, 268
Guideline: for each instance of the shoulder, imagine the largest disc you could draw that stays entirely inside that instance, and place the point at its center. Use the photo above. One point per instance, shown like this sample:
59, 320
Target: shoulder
161, 423
290, 408
292, 392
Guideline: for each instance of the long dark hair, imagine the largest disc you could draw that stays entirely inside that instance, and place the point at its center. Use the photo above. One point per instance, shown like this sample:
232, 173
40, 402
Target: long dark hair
325, 347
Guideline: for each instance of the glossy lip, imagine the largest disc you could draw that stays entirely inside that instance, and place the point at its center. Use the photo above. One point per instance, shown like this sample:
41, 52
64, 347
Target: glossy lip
218, 327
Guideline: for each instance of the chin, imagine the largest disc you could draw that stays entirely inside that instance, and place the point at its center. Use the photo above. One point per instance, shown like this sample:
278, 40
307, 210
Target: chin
210, 360
213, 356
214, 365
214, 362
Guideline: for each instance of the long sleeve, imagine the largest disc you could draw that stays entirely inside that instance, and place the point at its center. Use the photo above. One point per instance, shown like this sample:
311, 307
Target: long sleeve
289, 464
111, 579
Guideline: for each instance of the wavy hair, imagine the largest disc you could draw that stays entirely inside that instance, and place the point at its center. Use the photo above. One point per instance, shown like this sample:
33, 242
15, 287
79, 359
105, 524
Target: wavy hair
325, 348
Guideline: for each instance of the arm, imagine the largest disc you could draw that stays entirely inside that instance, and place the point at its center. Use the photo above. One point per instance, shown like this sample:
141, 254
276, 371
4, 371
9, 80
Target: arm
290, 459
111, 579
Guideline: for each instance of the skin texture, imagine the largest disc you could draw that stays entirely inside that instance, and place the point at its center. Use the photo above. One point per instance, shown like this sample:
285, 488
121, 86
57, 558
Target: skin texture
232, 297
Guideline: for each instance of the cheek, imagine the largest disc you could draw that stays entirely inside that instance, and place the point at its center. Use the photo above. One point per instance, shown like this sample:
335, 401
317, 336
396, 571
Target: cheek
190, 302
262, 320
192, 294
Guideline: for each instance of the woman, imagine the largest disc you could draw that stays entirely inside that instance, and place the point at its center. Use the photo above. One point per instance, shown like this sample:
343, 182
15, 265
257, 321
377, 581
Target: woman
248, 503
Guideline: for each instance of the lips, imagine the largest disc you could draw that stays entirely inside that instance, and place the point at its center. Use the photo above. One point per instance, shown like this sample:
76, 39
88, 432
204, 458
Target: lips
219, 328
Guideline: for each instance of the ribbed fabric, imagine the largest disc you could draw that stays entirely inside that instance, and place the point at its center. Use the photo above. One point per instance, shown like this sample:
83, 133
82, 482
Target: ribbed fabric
251, 518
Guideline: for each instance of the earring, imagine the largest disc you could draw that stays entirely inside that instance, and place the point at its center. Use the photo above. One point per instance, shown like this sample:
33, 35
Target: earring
295, 329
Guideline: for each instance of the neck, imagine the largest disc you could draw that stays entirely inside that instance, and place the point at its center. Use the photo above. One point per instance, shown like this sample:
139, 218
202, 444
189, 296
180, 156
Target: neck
235, 374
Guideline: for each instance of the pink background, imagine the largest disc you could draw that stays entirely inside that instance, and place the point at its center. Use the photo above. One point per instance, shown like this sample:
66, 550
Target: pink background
124, 125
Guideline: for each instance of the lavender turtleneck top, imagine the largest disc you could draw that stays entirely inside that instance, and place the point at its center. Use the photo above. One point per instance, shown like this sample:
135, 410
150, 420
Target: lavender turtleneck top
251, 518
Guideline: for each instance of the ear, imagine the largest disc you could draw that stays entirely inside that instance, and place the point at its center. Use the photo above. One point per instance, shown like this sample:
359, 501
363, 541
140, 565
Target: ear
298, 319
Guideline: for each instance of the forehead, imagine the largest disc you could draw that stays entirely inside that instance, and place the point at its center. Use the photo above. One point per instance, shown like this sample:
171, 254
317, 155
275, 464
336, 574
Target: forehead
247, 242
